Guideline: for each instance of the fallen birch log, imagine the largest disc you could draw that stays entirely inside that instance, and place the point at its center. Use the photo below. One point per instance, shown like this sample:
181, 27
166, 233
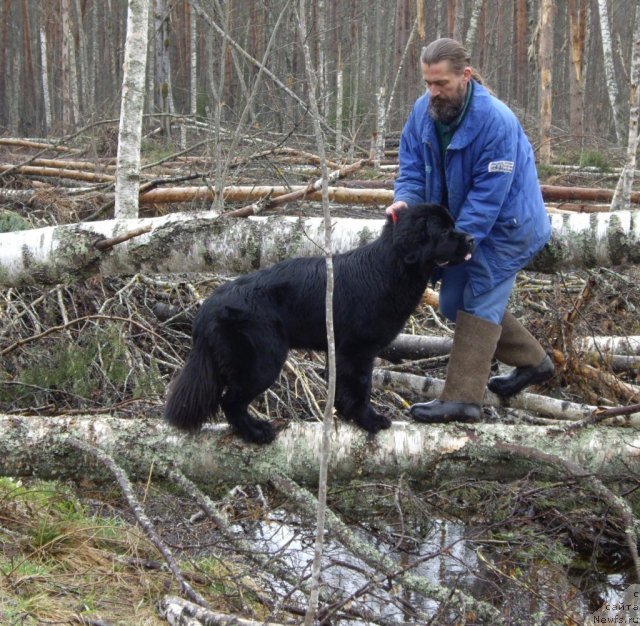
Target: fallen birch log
180, 612
253, 193
267, 202
414, 347
427, 388
37, 446
197, 242
617, 344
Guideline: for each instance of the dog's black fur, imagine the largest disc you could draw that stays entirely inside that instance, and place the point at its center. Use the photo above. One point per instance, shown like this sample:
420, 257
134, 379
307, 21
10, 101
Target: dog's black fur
245, 328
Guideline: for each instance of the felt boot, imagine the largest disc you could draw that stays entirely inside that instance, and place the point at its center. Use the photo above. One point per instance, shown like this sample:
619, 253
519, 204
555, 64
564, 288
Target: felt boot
518, 347
474, 343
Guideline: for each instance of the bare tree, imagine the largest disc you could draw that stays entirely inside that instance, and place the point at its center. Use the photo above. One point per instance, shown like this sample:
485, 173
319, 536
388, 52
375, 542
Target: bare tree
577, 27
621, 198
521, 60
472, 31
163, 39
70, 113
312, 81
133, 91
609, 68
546, 65
44, 68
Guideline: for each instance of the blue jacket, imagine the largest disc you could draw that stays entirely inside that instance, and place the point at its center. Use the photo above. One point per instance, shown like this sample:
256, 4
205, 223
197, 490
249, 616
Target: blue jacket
492, 183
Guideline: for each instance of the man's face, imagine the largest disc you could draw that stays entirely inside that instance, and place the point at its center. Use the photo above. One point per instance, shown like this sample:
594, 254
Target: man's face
447, 89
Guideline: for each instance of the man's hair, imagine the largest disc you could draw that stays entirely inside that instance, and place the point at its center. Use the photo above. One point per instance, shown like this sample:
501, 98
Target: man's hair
445, 49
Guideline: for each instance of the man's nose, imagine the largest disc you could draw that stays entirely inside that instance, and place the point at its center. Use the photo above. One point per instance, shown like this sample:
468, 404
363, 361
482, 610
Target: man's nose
434, 90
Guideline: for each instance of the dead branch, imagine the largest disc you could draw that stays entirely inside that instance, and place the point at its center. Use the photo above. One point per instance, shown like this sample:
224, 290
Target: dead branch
179, 612
585, 372
426, 387
38, 145
30, 170
241, 193
599, 415
300, 194
106, 244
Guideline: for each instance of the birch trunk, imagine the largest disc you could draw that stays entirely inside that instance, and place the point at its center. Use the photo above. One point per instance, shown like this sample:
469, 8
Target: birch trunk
339, 104
202, 242
472, 30
622, 196
35, 446
380, 127
609, 69
44, 73
193, 54
67, 108
131, 109
327, 418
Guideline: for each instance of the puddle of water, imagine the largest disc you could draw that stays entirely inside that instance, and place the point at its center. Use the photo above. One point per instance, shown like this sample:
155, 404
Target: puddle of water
449, 558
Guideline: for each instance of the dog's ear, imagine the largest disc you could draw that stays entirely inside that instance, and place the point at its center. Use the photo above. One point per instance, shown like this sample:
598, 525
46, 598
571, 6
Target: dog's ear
410, 258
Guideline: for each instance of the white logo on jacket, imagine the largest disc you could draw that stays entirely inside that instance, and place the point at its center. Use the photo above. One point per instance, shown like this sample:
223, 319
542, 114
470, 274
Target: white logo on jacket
506, 167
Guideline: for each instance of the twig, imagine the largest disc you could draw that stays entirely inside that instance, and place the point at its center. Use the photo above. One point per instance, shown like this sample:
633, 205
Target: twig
84, 318
140, 515
599, 415
220, 520
110, 242
299, 194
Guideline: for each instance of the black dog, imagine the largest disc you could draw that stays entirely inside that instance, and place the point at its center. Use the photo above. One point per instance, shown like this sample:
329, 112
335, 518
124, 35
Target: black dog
244, 330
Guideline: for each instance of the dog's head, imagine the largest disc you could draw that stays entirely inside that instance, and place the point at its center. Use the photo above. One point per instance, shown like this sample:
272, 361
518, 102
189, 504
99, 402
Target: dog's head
425, 234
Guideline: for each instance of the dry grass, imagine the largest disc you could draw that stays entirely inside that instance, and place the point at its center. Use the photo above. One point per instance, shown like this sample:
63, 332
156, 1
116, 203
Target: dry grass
61, 563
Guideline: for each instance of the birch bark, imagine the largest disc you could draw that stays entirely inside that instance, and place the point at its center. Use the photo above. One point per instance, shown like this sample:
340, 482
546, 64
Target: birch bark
202, 242
622, 195
36, 446
132, 105
609, 69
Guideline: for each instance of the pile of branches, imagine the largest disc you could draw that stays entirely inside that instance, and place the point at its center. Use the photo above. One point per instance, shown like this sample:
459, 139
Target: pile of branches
112, 345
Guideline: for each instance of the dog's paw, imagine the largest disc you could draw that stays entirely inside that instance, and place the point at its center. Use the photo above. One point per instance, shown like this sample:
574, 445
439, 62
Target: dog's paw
258, 431
374, 422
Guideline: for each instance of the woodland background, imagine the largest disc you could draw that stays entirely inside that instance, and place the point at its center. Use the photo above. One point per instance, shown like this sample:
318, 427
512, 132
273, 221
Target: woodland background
61, 61
107, 517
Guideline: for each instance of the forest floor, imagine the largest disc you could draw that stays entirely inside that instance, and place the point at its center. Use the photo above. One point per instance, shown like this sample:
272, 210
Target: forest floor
541, 552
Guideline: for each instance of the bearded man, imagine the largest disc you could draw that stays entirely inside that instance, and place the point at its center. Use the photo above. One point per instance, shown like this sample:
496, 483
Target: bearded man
465, 149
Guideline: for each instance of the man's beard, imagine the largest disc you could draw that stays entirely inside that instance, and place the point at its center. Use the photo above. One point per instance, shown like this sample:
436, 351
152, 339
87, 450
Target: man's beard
446, 110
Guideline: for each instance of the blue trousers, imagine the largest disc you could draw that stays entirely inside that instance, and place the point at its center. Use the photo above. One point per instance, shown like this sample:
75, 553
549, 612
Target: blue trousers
456, 294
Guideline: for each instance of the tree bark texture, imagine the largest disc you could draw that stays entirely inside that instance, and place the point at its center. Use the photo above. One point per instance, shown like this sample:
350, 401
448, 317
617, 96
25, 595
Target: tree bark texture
206, 242
132, 105
621, 198
545, 55
213, 458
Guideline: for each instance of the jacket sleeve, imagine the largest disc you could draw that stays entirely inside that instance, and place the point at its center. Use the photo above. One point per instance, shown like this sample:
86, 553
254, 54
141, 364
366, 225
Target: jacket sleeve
410, 182
493, 174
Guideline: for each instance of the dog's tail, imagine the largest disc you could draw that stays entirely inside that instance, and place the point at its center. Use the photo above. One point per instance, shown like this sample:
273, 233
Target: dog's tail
195, 395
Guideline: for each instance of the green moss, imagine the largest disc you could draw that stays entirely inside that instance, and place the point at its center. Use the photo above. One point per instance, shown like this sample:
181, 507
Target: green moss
10, 221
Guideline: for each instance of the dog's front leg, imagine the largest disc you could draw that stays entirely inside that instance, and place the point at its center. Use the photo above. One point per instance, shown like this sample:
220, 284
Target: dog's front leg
353, 392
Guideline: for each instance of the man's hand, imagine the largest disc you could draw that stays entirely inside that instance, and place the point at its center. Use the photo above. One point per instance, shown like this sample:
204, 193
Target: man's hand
396, 206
